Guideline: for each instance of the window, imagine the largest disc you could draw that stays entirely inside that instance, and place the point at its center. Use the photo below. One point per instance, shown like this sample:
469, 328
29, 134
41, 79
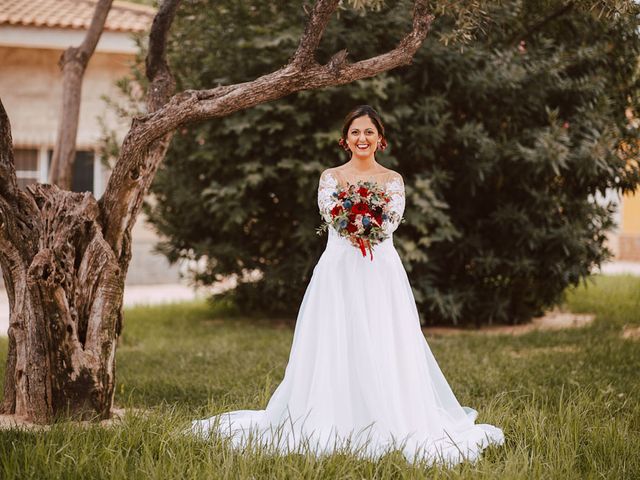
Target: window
33, 165
82, 171
26, 163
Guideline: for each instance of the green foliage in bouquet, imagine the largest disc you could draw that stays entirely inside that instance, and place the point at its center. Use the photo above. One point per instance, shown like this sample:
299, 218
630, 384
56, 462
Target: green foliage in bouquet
507, 148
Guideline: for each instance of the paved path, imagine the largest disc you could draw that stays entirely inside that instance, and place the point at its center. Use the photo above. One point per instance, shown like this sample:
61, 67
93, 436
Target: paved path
133, 295
619, 268
158, 294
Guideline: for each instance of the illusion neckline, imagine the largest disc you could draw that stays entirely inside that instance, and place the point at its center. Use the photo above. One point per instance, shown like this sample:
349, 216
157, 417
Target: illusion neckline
390, 181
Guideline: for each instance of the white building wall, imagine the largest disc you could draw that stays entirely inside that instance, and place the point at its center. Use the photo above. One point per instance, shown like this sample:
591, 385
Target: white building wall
31, 91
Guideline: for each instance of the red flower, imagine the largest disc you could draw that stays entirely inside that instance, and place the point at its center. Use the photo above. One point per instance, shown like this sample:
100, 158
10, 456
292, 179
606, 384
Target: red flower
342, 194
351, 228
522, 46
336, 210
363, 191
378, 219
360, 208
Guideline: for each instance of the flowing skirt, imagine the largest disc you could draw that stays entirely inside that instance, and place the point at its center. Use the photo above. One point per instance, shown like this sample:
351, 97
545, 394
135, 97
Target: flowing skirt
361, 376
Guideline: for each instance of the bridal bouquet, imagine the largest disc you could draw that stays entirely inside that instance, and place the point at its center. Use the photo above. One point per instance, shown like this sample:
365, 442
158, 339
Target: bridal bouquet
359, 213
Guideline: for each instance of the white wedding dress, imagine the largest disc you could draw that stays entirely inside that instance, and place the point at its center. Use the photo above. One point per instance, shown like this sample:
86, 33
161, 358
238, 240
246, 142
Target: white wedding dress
360, 373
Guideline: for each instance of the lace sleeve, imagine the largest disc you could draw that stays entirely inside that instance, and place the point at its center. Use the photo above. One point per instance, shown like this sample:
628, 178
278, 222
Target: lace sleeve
395, 188
326, 187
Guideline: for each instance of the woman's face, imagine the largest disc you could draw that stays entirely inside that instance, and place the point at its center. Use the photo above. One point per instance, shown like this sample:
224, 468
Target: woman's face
362, 137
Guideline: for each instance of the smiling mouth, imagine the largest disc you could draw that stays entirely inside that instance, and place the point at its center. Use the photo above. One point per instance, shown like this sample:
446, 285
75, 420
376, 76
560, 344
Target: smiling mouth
362, 146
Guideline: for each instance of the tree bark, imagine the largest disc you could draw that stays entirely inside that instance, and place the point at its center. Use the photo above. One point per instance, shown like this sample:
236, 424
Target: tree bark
64, 256
73, 64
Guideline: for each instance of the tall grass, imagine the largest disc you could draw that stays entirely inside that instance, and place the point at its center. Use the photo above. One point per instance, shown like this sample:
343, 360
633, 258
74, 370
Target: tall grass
568, 401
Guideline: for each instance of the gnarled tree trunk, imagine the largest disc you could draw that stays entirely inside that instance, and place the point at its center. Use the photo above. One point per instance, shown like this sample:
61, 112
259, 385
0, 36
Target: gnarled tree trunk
65, 291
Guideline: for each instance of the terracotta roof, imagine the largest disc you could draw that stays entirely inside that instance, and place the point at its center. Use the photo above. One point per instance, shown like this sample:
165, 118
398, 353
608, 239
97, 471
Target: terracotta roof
74, 14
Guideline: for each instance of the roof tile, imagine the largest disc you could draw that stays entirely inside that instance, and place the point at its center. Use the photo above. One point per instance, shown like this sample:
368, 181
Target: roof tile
74, 14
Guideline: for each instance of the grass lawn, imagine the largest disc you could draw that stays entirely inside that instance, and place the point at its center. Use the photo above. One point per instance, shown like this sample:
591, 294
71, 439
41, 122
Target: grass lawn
568, 401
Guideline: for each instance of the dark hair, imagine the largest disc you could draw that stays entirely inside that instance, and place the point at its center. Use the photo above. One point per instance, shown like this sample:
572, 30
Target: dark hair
361, 111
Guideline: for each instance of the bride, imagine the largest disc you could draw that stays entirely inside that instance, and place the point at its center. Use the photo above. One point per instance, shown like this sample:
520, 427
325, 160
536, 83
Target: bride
361, 376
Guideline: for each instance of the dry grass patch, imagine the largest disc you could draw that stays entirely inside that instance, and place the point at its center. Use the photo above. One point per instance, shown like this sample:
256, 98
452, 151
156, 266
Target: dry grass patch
553, 320
8, 422
529, 352
630, 332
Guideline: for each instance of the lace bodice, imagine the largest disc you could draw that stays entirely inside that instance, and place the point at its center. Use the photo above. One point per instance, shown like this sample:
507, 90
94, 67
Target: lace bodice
391, 181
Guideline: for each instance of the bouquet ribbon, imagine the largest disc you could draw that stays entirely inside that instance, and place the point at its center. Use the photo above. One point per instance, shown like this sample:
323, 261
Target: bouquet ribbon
361, 243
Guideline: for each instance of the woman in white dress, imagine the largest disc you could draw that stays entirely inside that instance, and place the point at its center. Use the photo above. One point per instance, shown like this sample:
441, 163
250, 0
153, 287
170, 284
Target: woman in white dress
360, 375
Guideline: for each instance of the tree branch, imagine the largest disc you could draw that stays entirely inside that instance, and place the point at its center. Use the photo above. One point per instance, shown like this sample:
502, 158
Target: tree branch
16, 207
88, 46
198, 105
8, 180
73, 63
541, 23
156, 56
321, 14
126, 186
